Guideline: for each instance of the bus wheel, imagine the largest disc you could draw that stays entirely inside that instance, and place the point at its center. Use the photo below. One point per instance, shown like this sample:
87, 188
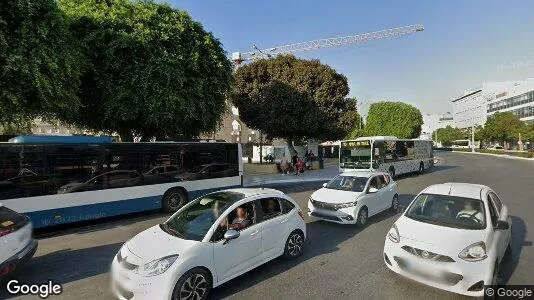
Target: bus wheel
174, 199
392, 172
421, 167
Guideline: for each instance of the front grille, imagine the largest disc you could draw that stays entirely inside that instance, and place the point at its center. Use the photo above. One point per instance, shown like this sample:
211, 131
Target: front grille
318, 215
324, 205
427, 254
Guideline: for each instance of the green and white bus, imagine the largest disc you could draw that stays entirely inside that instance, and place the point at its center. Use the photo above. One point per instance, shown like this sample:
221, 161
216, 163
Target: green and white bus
387, 154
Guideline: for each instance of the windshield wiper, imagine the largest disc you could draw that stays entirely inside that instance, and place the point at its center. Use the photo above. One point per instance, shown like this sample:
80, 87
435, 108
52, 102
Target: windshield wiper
170, 231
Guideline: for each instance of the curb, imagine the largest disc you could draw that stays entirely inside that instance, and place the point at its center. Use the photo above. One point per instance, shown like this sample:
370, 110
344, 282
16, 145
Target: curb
498, 155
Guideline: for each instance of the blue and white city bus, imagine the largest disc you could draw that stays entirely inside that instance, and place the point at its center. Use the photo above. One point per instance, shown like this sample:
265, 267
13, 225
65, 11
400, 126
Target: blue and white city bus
63, 179
387, 154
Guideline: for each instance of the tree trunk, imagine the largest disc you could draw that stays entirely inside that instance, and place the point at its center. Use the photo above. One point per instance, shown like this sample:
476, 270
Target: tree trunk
290, 146
126, 135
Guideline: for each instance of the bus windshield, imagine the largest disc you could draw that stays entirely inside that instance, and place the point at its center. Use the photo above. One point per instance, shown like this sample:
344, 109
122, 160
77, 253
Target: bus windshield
355, 155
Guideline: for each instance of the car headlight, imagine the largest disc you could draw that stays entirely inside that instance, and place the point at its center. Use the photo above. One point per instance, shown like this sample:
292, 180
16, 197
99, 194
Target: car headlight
157, 266
393, 234
474, 252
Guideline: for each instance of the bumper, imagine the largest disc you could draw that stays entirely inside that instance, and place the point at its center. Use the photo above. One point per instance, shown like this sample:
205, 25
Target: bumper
126, 285
20, 258
461, 277
340, 216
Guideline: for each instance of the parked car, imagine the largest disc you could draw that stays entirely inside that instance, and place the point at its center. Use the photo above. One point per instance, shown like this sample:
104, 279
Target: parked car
17, 244
209, 241
352, 197
453, 236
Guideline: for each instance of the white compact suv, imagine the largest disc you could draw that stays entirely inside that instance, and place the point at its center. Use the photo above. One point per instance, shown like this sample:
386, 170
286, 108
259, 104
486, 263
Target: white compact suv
209, 241
352, 197
453, 236
16, 242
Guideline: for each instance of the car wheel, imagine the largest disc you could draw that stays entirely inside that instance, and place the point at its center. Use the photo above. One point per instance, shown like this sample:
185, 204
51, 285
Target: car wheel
195, 284
362, 217
173, 200
294, 245
392, 172
509, 246
395, 203
421, 168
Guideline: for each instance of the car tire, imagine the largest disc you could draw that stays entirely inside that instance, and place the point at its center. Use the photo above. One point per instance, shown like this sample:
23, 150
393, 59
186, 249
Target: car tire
174, 199
391, 172
395, 203
294, 245
194, 284
421, 168
509, 246
361, 221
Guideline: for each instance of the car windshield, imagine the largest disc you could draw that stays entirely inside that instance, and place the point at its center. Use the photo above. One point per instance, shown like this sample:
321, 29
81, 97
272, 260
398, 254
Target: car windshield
347, 183
449, 211
193, 222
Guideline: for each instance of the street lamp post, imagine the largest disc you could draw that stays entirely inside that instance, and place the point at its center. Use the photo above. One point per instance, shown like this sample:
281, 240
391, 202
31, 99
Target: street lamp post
473, 138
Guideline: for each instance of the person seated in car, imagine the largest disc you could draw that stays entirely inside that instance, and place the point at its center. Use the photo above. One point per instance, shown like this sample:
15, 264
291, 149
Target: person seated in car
349, 184
241, 221
470, 212
271, 208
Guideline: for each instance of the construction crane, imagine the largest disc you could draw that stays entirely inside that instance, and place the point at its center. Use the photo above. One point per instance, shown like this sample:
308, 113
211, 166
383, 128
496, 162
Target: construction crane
238, 57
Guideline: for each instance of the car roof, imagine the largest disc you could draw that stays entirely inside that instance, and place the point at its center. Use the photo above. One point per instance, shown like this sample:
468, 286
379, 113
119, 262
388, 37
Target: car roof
457, 189
361, 173
249, 192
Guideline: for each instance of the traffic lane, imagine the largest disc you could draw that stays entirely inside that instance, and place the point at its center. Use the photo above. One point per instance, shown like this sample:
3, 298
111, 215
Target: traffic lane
343, 261
337, 261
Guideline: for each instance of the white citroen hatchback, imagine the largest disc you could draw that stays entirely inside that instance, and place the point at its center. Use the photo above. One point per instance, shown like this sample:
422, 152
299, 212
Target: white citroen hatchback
209, 241
352, 197
453, 236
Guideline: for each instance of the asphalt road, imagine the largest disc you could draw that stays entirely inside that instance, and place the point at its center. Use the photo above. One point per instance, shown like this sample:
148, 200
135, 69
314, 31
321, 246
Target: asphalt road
338, 261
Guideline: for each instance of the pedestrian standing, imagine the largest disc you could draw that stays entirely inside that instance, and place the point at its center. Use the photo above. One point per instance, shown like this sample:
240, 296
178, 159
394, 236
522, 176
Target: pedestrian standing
284, 165
299, 166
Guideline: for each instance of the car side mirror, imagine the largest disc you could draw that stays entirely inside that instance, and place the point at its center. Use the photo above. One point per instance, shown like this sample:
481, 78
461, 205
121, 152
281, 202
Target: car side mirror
501, 225
230, 235
372, 190
325, 184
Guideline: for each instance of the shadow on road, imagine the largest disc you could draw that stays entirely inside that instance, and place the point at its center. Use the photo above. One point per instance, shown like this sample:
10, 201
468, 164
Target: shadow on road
509, 263
66, 265
322, 238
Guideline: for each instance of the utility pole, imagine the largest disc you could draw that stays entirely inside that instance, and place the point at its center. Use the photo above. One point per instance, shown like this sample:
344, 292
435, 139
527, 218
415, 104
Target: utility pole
473, 138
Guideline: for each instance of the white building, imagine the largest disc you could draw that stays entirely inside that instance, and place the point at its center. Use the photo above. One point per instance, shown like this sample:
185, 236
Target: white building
432, 122
469, 109
516, 97
473, 107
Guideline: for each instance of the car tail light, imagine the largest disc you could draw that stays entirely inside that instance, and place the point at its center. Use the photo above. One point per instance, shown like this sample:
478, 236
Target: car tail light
7, 269
6, 231
301, 215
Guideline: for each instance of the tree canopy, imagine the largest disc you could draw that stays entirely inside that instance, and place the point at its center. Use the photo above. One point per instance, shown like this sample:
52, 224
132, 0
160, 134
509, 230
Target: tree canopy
503, 126
152, 70
40, 64
290, 98
394, 118
448, 134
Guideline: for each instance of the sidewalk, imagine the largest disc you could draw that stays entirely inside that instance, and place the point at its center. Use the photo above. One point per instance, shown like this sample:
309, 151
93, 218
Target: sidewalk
257, 179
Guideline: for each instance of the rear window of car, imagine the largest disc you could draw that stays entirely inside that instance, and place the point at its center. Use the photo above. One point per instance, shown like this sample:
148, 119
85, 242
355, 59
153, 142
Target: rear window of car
10, 218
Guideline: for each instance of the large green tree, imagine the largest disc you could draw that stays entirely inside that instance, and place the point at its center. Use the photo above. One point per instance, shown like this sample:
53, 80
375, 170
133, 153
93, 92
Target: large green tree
503, 127
394, 118
152, 71
290, 98
448, 134
39, 63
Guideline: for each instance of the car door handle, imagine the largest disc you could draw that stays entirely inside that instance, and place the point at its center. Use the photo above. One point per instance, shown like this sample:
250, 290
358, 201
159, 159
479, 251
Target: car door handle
283, 221
255, 232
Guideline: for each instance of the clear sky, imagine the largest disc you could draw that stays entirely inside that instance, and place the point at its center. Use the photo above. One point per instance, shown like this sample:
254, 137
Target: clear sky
465, 42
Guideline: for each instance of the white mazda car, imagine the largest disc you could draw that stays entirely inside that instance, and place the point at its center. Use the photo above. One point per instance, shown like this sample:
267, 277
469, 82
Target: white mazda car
209, 241
453, 236
352, 197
